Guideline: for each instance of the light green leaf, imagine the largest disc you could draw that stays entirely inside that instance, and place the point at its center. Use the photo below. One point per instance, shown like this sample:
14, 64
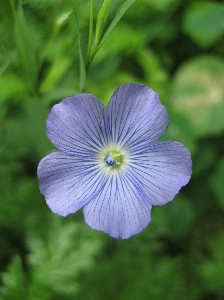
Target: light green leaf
56, 72
25, 46
62, 19
99, 41
204, 22
121, 11
198, 94
57, 94
81, 58
102, 19
90, 41
11, 86
82, 66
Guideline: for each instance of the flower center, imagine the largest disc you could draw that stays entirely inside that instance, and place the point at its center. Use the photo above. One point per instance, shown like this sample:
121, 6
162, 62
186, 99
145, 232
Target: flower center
113, 158
110, 161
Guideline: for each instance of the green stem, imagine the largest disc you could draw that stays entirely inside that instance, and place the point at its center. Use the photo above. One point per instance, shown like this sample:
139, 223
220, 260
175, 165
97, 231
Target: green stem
89, 62
91, 19
81, 58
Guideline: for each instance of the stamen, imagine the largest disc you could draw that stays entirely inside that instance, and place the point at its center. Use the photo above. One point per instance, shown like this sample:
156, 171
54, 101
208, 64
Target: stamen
109, 160
114, 158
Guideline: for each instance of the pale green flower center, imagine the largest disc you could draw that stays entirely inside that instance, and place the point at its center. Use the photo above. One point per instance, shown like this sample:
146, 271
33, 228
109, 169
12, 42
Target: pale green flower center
114, 158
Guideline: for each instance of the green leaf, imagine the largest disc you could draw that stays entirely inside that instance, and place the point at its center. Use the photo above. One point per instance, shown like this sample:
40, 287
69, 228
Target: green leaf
5, 59
64, 17
101, 25
29, 130
55, 74
217, 182
163, 5
203, 22
205, 159
102, 19
11, 86
81, 58
14, 281
91, 20
121, 11
26, 48
175, 219
154, 73
55, 264
57, 94
211, 267
82, 66
198, 94
180, 129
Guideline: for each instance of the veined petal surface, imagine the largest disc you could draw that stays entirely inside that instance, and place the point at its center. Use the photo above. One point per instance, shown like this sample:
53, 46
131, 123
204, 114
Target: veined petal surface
77, 125
120, 209
69, 182
161, 169
135, 115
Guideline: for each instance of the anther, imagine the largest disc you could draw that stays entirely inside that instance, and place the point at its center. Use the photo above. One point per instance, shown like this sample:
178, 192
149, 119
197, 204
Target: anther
110, 162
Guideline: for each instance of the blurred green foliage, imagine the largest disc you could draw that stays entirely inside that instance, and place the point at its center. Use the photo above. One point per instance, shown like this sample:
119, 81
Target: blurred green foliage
174, 46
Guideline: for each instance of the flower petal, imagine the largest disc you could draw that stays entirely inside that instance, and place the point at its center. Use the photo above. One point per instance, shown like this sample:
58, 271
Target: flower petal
161, 169
69, 182
120, 209
136, 115
77, 124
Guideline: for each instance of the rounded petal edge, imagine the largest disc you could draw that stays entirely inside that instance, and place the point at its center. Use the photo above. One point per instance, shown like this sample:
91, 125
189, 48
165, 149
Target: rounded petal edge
68, 182
120, 209
136, 115
161, 170
76, 125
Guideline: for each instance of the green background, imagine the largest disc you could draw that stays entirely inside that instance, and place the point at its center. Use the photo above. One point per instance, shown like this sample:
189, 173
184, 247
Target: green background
175, 47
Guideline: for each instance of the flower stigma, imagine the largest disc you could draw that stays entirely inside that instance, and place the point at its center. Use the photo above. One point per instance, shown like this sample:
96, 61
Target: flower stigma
113, 158
110, 161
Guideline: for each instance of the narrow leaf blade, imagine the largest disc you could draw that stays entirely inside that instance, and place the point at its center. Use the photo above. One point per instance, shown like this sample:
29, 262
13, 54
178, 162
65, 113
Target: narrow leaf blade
102, 19
26, 48
124, 7
81, 57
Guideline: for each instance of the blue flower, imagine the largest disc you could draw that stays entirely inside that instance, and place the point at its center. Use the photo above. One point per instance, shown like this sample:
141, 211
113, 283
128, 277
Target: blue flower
109, 160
